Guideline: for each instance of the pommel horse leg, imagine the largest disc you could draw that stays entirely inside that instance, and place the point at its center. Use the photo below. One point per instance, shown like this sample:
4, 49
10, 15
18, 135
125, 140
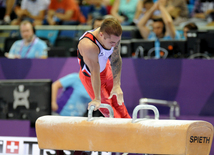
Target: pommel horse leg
143, 136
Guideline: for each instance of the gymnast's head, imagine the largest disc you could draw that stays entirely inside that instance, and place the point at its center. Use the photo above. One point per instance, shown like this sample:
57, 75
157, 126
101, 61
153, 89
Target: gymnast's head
110, 32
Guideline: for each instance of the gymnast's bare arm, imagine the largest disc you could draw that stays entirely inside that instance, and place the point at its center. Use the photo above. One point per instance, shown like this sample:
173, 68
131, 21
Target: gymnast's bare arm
116, 65
90, 52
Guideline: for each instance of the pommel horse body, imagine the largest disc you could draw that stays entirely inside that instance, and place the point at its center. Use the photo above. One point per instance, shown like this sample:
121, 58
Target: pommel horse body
144, 136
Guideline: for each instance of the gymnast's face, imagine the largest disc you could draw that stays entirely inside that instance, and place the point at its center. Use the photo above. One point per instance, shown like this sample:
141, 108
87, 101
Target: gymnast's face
109, 41
26, 31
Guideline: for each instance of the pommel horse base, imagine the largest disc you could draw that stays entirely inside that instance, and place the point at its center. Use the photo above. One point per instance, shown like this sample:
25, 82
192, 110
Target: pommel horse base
149, 136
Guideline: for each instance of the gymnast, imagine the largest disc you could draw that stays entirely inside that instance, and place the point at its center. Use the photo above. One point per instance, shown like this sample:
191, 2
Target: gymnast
101, 77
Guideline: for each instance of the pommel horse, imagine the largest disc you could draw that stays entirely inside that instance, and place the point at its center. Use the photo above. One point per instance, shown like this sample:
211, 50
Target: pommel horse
136, 135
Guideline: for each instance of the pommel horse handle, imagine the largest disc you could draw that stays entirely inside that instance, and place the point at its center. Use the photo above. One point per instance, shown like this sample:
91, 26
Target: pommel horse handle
91, 109
139, 107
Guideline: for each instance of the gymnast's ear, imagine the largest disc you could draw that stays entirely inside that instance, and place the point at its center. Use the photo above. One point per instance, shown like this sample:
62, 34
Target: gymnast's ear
101, 33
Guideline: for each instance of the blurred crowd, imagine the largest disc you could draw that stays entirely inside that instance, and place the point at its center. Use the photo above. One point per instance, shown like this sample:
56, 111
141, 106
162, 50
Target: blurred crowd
128, 12
154, 19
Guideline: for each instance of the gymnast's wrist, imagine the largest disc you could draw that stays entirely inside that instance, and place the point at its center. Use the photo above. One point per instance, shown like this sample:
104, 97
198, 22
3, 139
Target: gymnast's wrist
97, 100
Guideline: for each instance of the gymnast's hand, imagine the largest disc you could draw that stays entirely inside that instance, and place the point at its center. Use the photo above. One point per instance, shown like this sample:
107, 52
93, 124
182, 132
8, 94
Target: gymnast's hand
96, 103
117, 91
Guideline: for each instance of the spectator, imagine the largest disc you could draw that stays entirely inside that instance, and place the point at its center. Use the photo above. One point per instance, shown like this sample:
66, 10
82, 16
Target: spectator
126, 11
178, 10
108, 4
66, 12
203, 10
190, 26
32, 10
147, 4
30, 46
96, 9
162, 28
211, 19
73, 100
97, 22
6, 11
